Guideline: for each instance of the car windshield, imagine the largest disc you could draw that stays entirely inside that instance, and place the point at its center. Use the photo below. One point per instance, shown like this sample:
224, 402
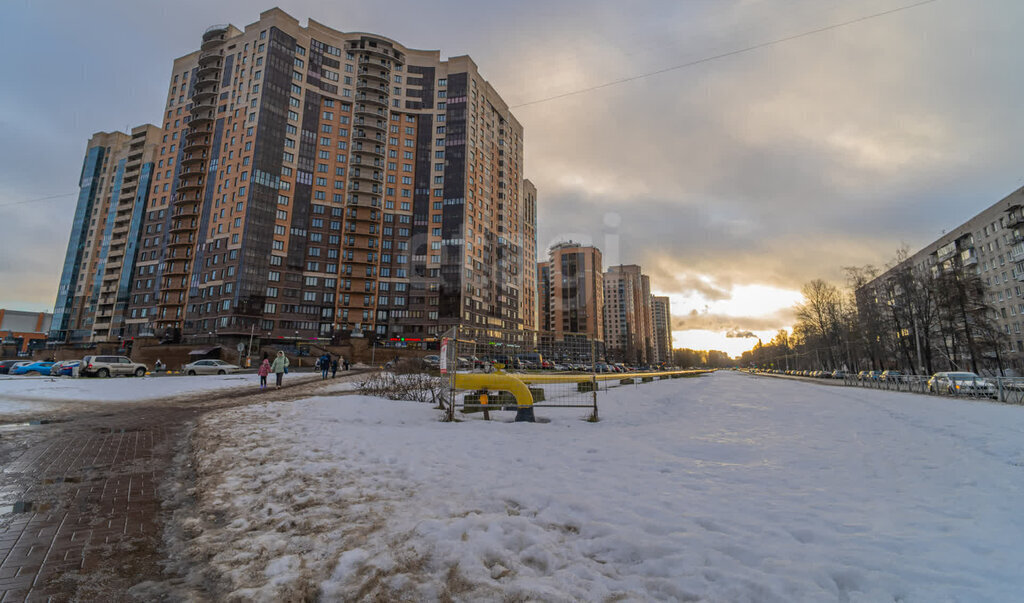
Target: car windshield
963, 376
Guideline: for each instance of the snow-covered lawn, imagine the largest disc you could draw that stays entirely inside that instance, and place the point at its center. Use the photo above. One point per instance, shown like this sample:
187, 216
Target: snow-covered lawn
41, 394
723, 488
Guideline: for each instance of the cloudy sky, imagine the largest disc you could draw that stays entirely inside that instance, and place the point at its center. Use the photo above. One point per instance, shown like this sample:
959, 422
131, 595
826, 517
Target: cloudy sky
732, 182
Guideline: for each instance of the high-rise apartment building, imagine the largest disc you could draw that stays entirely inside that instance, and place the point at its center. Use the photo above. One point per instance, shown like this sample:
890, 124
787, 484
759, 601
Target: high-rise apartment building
310, 181
531, 311
575, 292
628, 328
661, 317
93, 298
544, 322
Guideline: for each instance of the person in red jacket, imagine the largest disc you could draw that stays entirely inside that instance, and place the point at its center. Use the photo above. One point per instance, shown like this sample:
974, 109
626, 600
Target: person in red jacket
263, 371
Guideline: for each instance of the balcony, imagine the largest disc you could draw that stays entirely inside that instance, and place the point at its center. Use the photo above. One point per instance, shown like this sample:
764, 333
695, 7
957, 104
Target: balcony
969, 257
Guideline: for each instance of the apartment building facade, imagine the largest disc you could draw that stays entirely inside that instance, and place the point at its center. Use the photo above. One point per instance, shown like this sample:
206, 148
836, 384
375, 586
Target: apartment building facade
309, 182
661, 318
93, 296
628, 326
990, 245
575, 292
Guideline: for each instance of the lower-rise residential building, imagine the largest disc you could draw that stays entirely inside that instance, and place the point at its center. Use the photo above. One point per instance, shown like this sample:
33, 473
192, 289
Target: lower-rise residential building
957, 303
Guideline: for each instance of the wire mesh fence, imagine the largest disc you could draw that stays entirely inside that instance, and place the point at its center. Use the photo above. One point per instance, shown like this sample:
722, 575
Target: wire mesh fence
491, 370
576, 358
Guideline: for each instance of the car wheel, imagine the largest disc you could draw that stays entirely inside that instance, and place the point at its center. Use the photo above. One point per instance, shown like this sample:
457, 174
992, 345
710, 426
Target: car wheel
103, 373
191, 372
139, 372
222, 372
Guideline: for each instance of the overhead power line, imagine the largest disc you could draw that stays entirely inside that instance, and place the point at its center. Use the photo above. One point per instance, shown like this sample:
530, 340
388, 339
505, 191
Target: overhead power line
725, 54
39, 199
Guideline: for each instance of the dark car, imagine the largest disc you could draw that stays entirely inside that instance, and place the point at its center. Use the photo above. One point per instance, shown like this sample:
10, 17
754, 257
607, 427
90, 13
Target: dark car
5, 366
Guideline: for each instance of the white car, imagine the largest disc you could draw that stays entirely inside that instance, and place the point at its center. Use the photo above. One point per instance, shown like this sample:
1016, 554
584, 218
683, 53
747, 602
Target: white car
210, 367
960, 383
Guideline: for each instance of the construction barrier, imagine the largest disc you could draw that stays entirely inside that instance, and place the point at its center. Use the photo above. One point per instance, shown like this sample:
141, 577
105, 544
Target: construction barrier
526, 398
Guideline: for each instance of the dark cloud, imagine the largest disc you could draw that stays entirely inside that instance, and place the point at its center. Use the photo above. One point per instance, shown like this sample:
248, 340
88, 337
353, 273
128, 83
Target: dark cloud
773, 167
735, 334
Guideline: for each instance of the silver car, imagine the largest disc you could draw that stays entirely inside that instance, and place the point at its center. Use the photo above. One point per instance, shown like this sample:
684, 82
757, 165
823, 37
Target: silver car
960, 383
210, 367
111, 366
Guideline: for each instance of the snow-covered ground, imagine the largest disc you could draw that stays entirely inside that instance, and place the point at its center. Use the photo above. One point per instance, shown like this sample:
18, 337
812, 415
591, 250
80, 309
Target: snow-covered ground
19, 395
723, 488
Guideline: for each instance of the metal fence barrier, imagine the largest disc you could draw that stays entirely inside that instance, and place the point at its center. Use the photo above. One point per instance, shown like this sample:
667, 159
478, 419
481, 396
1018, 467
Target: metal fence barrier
491, 370
1009, 390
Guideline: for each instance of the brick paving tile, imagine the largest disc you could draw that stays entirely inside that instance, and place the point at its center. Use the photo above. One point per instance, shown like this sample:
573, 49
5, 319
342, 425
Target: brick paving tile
15, 594
93, 482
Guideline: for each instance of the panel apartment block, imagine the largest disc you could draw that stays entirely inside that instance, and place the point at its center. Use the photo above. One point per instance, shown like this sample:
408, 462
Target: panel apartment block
309, 181
991, 244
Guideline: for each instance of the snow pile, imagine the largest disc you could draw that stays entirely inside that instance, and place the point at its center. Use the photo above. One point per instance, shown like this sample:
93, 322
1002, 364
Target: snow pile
727, 488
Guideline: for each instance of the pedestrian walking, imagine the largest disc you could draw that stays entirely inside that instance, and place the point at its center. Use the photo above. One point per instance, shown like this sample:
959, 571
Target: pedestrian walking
325, 365
334, 368
263, 371
345, 362
279, 367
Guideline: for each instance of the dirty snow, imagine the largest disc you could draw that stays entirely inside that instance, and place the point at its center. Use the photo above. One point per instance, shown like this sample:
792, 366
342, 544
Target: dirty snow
19, 395
723, 488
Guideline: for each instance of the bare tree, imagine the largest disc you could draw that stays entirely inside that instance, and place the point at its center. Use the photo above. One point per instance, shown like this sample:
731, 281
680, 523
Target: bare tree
821, 313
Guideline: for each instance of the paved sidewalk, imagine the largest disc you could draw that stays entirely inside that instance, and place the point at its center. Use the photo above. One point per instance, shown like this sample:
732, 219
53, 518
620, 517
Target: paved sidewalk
80, 512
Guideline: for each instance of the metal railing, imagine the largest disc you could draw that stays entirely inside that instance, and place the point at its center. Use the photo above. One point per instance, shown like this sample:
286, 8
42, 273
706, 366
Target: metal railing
505, 371
1009, 390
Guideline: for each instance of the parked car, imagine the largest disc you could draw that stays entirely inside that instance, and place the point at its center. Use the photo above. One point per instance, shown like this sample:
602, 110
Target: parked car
64, 368
960, 383
32, 368
210, 366
892, 377
6, 365
111, 366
